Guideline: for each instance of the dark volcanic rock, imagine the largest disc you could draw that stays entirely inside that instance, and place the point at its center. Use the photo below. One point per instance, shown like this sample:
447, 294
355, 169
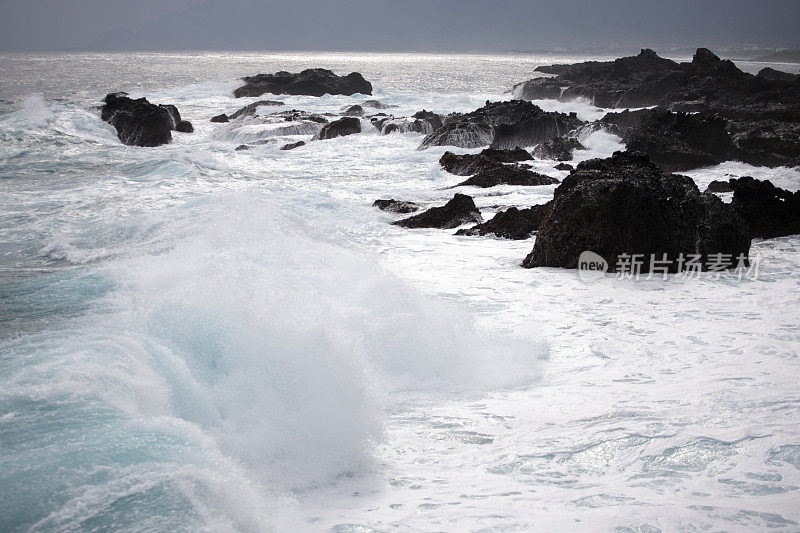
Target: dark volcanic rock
387, 125
771, 74
469, 164
767, 142
353, 111
430, 117
174, 115
719, 186
339, 128
513, 223
627, 205
184, 126
648, 80
559, 149
221, 118
504, 125
564, 166
768, 210
678, 141
375, 104
458, 211
250, 109
242, 148
311, 82
396, 206
138, 122
507, 175
465, 135
292, 146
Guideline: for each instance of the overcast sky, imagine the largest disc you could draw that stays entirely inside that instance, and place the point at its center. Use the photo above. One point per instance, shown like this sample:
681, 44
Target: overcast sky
412, 25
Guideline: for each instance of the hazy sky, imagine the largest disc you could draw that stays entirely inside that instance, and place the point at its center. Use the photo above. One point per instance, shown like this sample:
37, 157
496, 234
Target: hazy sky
447, 25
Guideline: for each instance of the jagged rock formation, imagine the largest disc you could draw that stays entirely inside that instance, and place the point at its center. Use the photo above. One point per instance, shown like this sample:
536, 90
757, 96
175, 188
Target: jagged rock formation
513, 223
469, 164
626, 205
502, 125
140, 123
559, 149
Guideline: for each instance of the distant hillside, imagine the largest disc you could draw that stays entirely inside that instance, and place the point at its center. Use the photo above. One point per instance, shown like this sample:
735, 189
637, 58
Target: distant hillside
784, 56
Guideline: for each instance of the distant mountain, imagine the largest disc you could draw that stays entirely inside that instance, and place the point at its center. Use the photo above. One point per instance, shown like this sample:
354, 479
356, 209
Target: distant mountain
784, 56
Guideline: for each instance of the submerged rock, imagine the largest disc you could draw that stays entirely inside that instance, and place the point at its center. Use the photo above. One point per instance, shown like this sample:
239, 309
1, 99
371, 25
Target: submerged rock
558, 149
138, 122
375, 104
241, 148
250, 109
339, 128
353, 111
292, 146
221, 118
311, 82
396, 206
507, 175
626, 205
513, 223
458, 211
564, 166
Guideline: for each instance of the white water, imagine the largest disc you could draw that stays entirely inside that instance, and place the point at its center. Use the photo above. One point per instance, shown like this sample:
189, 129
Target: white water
198, 338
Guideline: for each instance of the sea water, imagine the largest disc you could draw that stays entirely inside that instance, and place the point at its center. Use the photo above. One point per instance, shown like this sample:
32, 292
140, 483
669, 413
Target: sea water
195, 338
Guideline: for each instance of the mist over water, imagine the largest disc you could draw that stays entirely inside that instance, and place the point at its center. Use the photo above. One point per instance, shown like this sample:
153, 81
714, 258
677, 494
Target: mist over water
200, 339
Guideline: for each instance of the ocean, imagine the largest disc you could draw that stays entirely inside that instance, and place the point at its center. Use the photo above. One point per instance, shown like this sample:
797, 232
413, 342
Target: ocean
198, 339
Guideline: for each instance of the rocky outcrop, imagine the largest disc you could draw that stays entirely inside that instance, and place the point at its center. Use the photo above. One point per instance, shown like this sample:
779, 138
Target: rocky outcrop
766, 142
626, 205
507, 175
430, 117
458, 211
558, 149
220, 118
502, 125
292, 146
676, 141
250, 109
339, 128
184, 126
387, 125
469, 164
140, 123
564, 166
310, 82
396, 206
513, 223
705, 83
768, 210
681, 141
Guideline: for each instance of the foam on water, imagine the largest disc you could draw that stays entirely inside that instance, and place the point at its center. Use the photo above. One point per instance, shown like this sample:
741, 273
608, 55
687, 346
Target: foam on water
203, 339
